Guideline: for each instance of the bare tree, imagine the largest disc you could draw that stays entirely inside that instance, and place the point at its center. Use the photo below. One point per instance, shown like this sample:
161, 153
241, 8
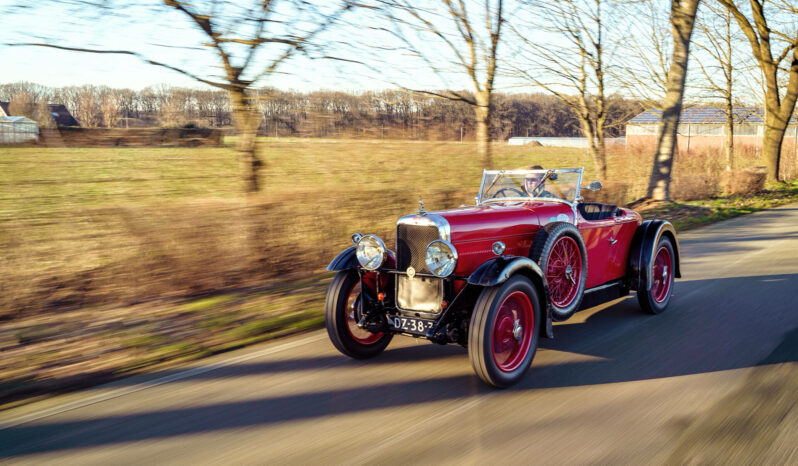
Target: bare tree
642, 70
571, 64
22, 104
450, 38
250, 40
30, 101
109, 107
721, 68
763, 36
683, 13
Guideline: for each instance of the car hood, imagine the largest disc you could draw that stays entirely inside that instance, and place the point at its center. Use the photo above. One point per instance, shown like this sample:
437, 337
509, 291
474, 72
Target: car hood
499, 220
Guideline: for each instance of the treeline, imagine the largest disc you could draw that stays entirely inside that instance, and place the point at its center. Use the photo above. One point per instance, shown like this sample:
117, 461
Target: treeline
388, 114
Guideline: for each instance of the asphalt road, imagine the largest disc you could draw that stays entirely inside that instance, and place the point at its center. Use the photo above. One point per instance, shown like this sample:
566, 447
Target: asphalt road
714, 376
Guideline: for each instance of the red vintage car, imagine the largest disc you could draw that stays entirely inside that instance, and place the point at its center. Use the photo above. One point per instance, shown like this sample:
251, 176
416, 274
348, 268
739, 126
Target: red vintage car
494, 276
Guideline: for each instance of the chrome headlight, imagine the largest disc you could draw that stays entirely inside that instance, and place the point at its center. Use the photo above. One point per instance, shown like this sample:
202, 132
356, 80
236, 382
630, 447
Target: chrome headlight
441, 258
370, 252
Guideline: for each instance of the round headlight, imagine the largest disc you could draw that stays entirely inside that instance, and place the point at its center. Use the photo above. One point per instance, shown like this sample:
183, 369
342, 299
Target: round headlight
370, 252
441, 258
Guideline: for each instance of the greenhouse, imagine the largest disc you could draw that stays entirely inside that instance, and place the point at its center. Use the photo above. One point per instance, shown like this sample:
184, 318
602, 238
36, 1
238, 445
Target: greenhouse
18, 130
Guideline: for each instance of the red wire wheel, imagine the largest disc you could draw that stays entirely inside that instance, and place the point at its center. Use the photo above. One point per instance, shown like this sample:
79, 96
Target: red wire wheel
662, 272
661, 275
362, 336
504, 330
512, 331
564, 271
341, 316
560, 251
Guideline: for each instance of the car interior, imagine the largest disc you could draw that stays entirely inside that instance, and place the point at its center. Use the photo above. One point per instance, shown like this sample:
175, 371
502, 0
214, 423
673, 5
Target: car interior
598, 211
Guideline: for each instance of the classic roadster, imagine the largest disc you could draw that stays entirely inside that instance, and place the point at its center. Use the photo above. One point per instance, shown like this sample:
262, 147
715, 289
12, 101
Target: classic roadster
494, 276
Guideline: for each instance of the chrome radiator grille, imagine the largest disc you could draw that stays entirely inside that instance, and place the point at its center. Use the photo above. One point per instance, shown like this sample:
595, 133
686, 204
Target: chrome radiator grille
411, 245
417, 293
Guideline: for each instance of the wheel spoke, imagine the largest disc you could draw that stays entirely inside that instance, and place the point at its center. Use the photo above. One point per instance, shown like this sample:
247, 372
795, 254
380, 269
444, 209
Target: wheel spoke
508, 352
661, 278
564, 285
360, 335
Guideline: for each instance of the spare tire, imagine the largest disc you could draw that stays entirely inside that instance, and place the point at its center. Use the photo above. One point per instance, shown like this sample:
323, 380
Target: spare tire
560, 251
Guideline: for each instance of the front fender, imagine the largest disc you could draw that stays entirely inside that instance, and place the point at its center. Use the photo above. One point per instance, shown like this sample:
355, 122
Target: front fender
345, 260
643, 248
499, 269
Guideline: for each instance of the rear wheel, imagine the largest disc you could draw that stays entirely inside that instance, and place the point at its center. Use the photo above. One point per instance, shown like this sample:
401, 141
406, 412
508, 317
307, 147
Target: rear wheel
657, 298
341, 314
503, 335
561, 254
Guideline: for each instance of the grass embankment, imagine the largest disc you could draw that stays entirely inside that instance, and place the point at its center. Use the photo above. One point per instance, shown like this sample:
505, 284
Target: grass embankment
115, 260
692, 214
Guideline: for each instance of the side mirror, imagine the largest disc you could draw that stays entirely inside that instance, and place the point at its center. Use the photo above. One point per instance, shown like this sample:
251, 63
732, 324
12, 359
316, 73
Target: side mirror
594, 186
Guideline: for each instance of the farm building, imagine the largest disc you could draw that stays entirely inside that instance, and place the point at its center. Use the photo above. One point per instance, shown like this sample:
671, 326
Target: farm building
59, 113
17, 130
558, 142
704, 127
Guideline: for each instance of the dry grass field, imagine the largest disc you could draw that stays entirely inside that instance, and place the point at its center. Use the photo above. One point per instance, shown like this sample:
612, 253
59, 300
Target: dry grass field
85, 226
114, 259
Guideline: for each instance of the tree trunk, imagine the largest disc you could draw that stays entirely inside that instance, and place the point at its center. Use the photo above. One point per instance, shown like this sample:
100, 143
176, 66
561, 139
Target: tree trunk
771, 149
775, 129
246, 119
682, 21
595, 140
729, 146
601, 156
482, 113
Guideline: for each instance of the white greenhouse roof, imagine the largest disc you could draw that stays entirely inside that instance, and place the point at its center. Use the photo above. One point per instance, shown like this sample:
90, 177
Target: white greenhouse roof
15, 119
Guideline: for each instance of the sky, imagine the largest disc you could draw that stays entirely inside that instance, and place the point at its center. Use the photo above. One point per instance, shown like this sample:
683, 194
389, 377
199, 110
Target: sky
158, 36
168, 36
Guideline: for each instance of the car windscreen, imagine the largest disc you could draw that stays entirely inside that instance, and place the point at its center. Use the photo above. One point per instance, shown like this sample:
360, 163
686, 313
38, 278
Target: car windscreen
562, 184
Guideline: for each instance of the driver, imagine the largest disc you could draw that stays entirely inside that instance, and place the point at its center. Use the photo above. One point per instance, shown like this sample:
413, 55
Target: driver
531, 183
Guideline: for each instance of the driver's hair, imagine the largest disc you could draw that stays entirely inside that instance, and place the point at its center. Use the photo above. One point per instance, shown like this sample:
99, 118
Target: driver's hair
536, 167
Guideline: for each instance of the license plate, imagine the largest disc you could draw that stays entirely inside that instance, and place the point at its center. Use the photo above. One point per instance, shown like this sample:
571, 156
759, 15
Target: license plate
410, 324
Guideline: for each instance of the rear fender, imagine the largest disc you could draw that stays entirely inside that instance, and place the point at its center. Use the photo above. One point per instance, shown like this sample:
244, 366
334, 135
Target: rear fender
643, 248
498, 270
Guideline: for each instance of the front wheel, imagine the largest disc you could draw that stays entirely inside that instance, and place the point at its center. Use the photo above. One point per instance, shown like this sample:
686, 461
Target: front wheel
503, 335
341, 314
657, 298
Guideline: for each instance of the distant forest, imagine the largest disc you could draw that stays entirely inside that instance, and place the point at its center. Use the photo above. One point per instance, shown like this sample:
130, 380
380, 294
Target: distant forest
389, 114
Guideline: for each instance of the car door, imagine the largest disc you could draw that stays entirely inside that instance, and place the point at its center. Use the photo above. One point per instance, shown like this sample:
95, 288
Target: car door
599, 236
625, 226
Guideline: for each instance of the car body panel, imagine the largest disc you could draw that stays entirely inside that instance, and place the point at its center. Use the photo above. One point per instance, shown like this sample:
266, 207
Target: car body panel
607, 243
475, 229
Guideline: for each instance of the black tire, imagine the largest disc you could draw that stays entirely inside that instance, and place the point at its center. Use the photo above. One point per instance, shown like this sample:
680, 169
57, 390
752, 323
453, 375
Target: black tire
656, 299
335, 319
545, 241
483, 328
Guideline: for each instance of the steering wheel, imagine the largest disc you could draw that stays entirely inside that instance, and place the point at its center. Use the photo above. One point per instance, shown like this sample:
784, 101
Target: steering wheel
570, 194
503, 194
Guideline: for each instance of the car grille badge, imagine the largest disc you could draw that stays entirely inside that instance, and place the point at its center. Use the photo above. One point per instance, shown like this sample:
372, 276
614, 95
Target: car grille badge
411, 272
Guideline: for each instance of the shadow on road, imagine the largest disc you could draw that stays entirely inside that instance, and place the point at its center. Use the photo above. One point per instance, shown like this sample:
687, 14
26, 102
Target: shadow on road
718, 325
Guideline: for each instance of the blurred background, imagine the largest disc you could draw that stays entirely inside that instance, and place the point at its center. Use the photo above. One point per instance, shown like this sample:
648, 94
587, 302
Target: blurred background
175, 176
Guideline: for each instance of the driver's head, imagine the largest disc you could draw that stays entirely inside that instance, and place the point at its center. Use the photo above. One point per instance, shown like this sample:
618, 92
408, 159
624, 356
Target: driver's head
532, 179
